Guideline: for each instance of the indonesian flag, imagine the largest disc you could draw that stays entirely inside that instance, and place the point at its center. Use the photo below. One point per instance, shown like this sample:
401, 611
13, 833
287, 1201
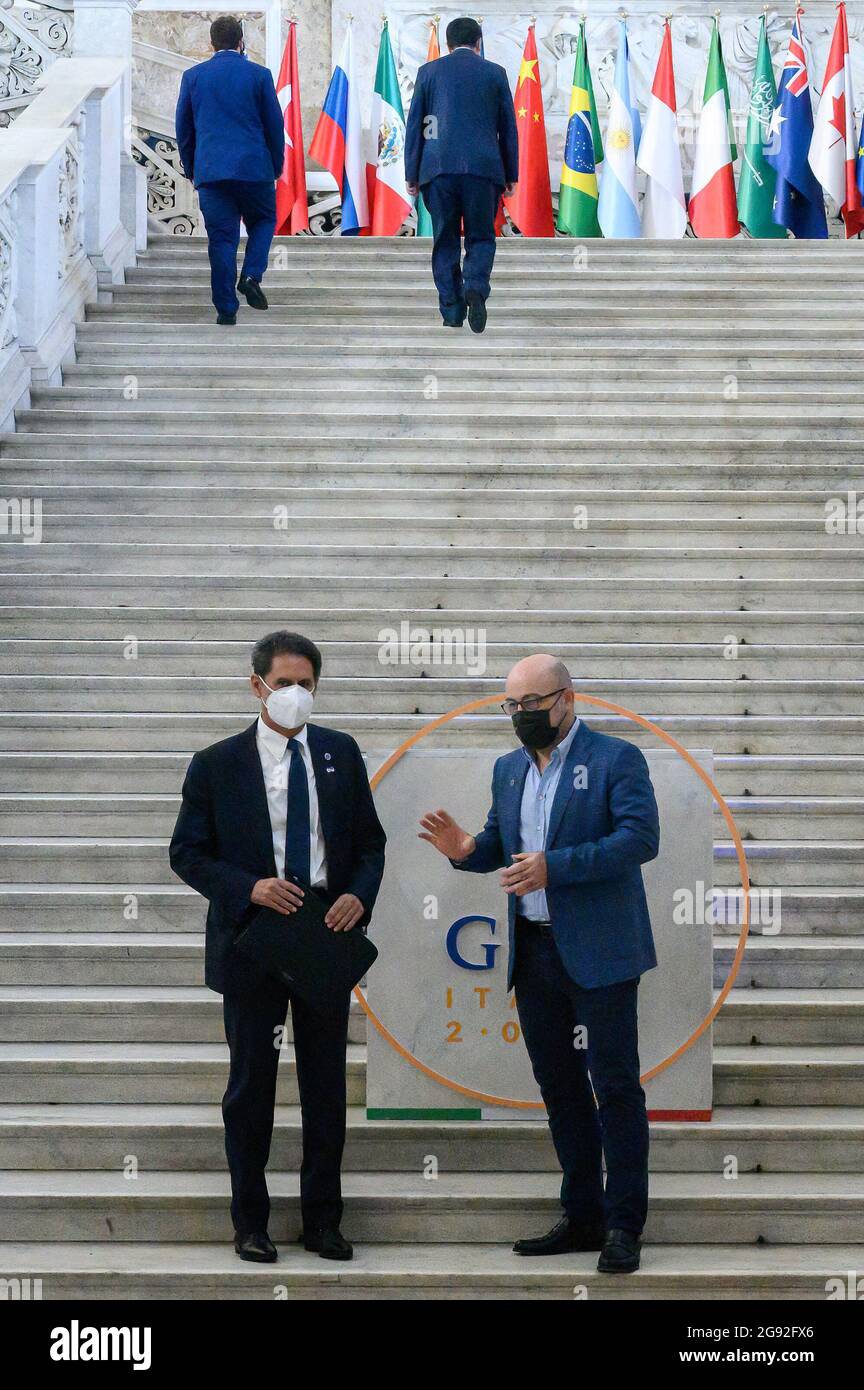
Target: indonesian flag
834, 147
389, 200
664, 211
713, 204
292, 213
531, 204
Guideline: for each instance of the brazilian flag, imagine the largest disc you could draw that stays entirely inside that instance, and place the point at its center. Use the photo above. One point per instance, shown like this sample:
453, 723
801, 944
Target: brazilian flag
583, 153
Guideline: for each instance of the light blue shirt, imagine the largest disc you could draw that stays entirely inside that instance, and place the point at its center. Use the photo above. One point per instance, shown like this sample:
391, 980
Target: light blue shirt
538, 795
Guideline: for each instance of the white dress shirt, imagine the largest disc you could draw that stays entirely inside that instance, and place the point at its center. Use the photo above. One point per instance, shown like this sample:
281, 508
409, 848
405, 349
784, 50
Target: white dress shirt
275, 765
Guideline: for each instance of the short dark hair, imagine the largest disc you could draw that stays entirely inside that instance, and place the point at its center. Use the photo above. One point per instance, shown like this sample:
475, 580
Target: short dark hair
463, 33
226, 32
279, 643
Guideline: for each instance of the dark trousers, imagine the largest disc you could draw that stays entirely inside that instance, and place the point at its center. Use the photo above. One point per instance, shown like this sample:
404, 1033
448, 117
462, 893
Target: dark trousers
254, 1013
223, 205
458, 202
551, 1006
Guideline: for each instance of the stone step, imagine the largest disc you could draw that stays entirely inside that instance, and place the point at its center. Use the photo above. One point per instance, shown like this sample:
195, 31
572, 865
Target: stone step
62, 1073
438, 463
685, 1208
790, 962
379, 734
183, 1138
78, 814
379, 656
144, 1271
386, 283
74, 1013
117, 959
418, 589
576, 529
420, 694
508, 429
204, 505
678, 372
154, 908
223, 629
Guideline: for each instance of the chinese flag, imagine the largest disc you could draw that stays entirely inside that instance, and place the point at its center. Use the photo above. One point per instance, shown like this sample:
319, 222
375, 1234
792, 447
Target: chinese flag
292, 213
531, 205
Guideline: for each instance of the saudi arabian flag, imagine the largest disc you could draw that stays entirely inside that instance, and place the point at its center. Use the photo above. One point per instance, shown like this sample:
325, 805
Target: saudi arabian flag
758, 184
713, 205
583, 154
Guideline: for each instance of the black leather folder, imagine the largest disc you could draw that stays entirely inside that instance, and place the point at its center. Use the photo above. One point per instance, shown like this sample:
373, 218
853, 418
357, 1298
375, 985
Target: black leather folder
320, 965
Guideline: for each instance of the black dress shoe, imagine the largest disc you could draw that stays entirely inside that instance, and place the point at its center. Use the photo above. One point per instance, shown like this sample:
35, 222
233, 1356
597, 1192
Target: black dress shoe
452, 323
257, 1246
329, 1243
228, 319
255, 296
476, 311
620, 1253
567, 1236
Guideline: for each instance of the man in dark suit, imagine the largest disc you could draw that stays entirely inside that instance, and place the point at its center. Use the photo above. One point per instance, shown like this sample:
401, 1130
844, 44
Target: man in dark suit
284, 797
231, 137
573, 819
462, 149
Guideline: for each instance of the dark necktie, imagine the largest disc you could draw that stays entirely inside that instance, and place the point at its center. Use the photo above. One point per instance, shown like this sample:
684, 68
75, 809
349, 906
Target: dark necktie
297, 830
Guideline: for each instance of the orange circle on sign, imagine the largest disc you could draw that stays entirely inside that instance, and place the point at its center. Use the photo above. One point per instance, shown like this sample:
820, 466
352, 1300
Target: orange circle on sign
506, 1101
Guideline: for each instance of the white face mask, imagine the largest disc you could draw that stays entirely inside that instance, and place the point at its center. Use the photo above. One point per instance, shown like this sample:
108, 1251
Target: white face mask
289, 706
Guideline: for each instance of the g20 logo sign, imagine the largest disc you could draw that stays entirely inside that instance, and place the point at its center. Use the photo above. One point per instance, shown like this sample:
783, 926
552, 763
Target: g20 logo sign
487, 949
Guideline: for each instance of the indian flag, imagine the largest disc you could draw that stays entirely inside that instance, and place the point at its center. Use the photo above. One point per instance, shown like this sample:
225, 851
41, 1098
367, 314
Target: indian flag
389, 201
713, 204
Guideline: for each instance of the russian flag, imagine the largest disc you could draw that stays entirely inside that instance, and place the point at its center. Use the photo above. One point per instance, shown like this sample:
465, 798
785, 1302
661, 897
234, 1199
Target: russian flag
337, 143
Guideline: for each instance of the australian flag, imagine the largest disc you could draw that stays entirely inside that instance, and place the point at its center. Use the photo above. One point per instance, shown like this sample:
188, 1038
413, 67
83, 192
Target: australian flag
799, 203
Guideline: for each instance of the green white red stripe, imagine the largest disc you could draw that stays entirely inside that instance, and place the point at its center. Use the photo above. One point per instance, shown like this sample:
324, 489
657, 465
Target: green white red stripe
713, 204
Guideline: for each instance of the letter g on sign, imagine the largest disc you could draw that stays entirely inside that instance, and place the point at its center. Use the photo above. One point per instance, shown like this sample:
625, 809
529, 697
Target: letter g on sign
489, 947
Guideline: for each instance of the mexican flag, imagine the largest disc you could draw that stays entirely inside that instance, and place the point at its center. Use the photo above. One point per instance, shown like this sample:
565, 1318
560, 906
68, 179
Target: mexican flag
834, 148
424, 221
758, 184
713, 206
389, 201
583, 151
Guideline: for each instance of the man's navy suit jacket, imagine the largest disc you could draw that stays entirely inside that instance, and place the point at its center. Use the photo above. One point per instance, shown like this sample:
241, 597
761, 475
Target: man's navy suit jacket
223, 843
599, 835
472, 129
229, 122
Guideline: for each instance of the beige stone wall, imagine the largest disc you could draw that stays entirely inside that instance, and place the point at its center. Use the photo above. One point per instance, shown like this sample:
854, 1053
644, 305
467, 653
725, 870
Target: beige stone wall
156, 79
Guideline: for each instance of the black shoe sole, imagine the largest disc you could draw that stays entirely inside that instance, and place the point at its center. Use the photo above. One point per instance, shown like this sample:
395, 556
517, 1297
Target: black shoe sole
254, 298
617, 1269
313, 1250
476, 313
226, 322
256, 1259
565, 1250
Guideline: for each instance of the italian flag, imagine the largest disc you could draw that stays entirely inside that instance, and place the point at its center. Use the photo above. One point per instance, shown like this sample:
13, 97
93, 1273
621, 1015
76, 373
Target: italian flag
664, 211
389, 202
713, 205
834, 147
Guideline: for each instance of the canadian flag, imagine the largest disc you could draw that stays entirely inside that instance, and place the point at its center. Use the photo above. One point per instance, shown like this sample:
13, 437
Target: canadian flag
292, 213
834, 147
664, 211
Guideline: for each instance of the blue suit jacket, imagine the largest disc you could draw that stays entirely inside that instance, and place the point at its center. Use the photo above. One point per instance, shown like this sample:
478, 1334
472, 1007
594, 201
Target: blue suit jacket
229, 122
599, 836
475, 125
223, 843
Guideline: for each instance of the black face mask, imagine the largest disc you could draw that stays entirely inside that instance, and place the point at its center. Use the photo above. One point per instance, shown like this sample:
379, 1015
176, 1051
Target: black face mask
534, 728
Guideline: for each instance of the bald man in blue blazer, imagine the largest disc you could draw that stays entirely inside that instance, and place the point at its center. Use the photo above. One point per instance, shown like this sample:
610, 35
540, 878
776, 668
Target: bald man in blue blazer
573, 819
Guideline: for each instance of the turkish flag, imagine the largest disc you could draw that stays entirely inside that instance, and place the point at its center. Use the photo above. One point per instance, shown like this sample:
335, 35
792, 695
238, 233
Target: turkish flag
292, 213
531, 205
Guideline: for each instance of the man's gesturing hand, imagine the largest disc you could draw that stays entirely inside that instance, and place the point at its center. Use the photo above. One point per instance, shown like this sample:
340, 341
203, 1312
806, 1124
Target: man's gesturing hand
526, 874
345, 913
441, 830
277, 893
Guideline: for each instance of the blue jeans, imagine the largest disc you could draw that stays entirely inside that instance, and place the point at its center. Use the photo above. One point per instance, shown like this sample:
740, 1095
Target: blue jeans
584, 1130
223, 205
457, 203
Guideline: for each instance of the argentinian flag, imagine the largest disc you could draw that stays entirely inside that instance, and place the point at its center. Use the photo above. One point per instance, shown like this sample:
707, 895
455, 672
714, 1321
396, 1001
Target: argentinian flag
618, 209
